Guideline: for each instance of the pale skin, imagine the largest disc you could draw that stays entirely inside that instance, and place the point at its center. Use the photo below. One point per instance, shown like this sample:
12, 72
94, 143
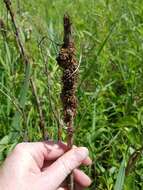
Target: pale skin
44, 166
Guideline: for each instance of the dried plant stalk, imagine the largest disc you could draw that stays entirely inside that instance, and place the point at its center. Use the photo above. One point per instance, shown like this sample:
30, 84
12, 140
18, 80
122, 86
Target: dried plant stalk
26, 61
40, 110
67, 61
17, 36
132, 160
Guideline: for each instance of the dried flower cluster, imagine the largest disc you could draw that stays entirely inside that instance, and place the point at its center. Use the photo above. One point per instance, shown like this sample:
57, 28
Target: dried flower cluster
67, 61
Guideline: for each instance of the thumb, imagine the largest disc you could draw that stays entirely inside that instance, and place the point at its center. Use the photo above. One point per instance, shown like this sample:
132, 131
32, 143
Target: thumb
62, 167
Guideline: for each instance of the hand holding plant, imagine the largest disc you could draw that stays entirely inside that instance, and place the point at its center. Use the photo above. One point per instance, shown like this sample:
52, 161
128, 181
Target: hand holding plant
43, 166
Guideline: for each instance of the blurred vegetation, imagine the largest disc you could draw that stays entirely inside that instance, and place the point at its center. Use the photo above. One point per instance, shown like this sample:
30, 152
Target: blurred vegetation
109, 43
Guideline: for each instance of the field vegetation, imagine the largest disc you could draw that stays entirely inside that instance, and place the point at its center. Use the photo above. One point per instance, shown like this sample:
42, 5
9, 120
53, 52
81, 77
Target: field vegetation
108, 37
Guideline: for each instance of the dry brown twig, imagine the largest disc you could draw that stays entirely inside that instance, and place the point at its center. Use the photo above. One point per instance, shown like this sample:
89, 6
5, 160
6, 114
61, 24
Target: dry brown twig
42, 123
67, 61
17, 37
133, 160
26, 61
45, 58
55, 113
40, 111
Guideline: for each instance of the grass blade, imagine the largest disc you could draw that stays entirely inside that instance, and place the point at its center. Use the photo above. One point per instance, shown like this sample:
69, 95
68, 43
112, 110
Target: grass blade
120, 177
87, 73
22, 100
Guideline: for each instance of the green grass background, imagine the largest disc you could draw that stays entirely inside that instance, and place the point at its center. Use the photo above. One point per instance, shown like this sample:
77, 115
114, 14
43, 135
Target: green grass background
109, 42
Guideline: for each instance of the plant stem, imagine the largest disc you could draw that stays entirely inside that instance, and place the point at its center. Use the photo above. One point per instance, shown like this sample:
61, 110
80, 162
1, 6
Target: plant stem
19, 42
67, 61
40, 111
55, 112
26, 61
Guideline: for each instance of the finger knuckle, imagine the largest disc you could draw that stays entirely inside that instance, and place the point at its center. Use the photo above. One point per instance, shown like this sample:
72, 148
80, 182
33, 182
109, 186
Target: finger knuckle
19, 147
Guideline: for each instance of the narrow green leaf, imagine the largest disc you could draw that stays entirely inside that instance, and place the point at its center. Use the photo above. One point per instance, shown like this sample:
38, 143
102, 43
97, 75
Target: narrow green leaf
22, 99
120, 177
4, 142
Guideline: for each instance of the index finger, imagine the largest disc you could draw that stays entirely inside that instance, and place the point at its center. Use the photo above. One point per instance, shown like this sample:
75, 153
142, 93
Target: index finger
38, 151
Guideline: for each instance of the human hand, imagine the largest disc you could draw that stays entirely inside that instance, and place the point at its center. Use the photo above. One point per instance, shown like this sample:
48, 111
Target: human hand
43, 166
